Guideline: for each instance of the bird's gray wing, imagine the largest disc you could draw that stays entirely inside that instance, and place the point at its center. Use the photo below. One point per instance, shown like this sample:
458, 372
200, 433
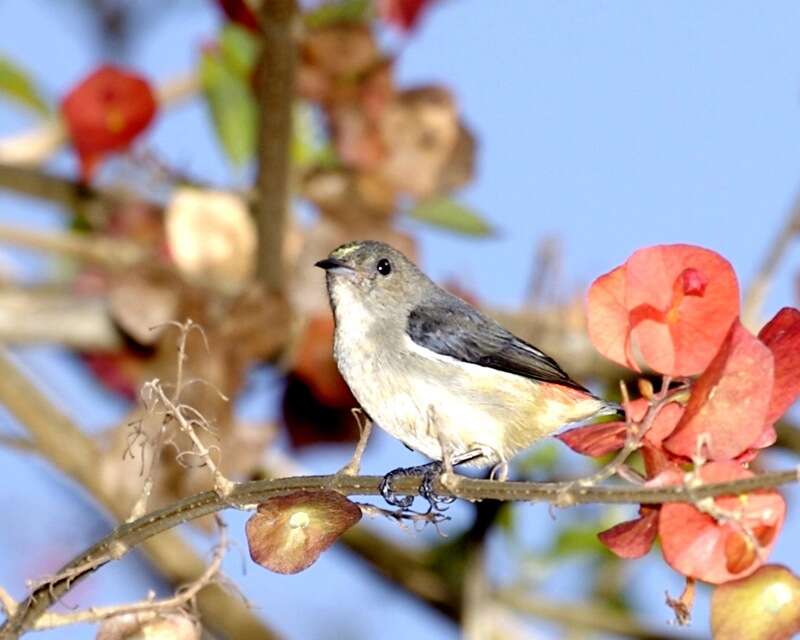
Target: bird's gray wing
453, 328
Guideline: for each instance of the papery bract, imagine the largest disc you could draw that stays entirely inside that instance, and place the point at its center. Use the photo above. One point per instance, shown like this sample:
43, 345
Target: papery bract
634, 538
697, 545
607, 318
150, 625
288, 533
595, 439
404, 14
729, 401
782, 336
211, 237
599, 439
105, 112
765, 605
681, 300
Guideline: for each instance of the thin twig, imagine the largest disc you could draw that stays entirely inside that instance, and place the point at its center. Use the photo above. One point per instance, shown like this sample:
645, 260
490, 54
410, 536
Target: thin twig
108, 252
636, 431
756, 293
584, 615
35, 146
17, 442
37, 315
71, 451
181, 599
253, 493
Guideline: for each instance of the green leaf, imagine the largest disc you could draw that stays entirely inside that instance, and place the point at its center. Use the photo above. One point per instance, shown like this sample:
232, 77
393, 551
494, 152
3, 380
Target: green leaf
449, 214
239, 48
339, 11
577, 539
16, 85
542, 460
310, 147
232, 106
505, 518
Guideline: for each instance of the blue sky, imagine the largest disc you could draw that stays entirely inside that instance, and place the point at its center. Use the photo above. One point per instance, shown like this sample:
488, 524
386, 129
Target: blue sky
610, 125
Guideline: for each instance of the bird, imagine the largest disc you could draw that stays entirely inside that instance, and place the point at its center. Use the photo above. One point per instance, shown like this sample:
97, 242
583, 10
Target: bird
436, 373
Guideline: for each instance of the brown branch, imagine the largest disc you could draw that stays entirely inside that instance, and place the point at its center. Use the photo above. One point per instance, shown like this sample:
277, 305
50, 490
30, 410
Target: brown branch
69, 449
129, 535
585, 615
43, 315
94, 248
146, 609
756, 293
38, 184
276, 97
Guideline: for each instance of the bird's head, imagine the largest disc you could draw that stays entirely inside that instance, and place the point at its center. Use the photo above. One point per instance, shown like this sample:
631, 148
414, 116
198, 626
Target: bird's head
376, 276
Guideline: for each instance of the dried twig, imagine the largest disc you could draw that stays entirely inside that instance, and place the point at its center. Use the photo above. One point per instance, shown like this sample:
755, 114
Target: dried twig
70, 450
581, 615
636, 431
35, 146
756, 293
149, 607
108, 252
682, 605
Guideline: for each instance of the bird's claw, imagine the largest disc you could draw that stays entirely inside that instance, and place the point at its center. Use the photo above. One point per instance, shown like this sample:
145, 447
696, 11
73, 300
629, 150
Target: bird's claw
428, 474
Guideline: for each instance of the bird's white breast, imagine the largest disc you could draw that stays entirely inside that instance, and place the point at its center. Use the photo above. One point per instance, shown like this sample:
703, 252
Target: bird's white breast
396, 381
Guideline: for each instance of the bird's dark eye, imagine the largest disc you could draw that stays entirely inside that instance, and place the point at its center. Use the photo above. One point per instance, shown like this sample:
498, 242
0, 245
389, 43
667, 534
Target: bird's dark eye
384, 267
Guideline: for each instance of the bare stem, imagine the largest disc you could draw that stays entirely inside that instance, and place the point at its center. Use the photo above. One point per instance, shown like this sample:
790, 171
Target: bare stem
70, 450
134, 533
149, 607
756, 293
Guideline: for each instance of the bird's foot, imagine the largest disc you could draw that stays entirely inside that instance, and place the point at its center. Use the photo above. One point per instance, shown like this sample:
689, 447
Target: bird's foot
428, 474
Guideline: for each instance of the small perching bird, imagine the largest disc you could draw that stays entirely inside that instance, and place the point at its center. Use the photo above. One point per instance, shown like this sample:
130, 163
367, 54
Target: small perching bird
436, 373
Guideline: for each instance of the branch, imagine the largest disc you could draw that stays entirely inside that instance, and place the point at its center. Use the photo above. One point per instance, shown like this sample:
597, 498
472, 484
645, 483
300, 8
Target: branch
586, 615
69, 449
756, 293
147, 608
35, 146
276, 97
37, 184
94, 248
249, 494
50, 316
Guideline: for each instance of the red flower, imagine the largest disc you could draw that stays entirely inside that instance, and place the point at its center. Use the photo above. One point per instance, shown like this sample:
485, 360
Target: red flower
729, 401
670, 304
105, 113
700, 546
782, 336
404, 14
633, 539
239, 11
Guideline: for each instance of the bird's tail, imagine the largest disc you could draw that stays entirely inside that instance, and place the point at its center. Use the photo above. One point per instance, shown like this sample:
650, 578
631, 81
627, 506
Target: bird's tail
610, 409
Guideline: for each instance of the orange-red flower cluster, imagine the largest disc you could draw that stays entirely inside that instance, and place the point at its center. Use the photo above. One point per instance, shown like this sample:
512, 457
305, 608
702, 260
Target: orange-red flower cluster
675, 309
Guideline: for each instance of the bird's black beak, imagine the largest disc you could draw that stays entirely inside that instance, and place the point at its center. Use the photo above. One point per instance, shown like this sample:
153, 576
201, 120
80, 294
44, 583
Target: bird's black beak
333, 265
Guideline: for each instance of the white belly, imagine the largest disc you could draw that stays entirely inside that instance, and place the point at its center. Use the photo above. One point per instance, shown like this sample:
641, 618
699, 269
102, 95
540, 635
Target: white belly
397, 381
